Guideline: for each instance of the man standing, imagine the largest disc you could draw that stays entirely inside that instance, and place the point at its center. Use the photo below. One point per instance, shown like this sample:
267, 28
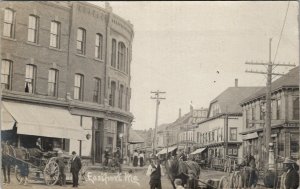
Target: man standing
75, 168
155, 172
61, 166
291, 180
118, 159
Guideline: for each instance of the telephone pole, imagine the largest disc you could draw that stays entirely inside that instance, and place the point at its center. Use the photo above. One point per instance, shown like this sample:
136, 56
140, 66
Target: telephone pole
267, 126
157, 98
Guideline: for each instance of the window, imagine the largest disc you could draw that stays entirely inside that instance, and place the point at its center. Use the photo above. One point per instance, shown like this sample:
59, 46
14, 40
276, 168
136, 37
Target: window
80, 41
8, 25
54, 34
126, 99
30, 78
253, 112
262, 112
247, 118
278, 107
127, 61
98, 46
52, 82
296, 108
6, 74
113, 53
33, 29
97, 90
233, 134
121, 96
121, 56
78, 87
112, 93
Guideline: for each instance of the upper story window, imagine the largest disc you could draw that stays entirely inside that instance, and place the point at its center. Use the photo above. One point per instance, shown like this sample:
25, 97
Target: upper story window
121, 96
30, 76
98, 46
78, 87
262, 111
127, 61
253, 113
126, 99
121, 56
8, 26
112, 93
54, 34
233, 134
113, 52
278, 107
296, 108
80, 45
97, 90
33, 29
52, 82
6, 74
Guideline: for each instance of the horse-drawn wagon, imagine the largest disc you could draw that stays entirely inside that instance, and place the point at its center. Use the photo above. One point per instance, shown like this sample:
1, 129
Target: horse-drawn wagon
42, 165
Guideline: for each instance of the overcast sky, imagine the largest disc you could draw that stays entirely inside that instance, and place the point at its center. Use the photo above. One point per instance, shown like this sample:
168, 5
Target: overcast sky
178, 48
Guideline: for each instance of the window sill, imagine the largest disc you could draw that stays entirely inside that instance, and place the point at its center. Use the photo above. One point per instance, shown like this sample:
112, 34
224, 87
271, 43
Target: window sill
33, 44
99, 60
116, 69
8, 38
81, 55
55, 49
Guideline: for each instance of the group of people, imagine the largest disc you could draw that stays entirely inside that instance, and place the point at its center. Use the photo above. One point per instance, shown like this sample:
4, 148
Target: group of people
138, 158
113, 159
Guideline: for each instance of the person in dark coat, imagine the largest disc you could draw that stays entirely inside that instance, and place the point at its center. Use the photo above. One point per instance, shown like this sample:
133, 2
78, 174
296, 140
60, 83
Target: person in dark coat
155, 172
61, 166
106, 157
292, 175
118, 159
75, 168
135, 158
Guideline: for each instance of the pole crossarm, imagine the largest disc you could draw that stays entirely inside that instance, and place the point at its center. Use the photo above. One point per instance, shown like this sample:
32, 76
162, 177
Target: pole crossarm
266, 64
261, 72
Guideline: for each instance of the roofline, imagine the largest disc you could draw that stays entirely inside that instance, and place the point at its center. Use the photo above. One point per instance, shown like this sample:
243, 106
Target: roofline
220, 115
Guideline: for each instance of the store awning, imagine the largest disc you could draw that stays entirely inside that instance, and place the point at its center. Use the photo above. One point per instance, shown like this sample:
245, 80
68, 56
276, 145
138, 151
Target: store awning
8, 121
165, 150
250, 136
198, 151
45, 121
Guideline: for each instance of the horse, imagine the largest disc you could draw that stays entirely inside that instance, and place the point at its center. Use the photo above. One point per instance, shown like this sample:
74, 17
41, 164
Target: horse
179, 169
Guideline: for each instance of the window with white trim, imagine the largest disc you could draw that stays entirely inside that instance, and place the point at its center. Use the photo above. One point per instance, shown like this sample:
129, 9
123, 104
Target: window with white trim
8, 26
98, 46
78, 87
30, 76
54, 34
52, 82
6, 74
33, 28
80, 43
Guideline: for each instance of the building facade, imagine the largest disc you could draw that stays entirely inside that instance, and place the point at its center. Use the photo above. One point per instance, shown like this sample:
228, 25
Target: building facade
284, 120
219, 132
73, 56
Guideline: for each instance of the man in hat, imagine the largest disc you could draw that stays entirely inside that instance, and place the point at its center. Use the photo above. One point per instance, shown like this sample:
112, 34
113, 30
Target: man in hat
292, 176
118, 159
75, 168
155, 172
106, 157
61, 167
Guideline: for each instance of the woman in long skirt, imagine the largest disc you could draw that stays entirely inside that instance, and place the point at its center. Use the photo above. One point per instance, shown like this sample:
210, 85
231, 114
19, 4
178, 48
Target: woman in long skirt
135, 158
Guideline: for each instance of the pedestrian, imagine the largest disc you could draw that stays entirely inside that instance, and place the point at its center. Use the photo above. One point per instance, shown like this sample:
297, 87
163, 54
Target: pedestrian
135, 158
155, 172
178, 184
141, 157
118, 159
24, 172
75, 168
106, 157
192, 182
291, 180
61, 167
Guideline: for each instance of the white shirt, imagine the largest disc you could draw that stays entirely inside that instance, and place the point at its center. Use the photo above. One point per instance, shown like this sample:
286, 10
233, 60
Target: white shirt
141, 155
135, 154
151, 169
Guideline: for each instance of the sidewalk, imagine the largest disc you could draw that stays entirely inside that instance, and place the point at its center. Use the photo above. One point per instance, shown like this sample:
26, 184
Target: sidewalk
125, 167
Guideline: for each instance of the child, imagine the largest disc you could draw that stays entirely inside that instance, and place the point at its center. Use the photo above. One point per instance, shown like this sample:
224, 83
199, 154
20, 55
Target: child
24, 171
178, 184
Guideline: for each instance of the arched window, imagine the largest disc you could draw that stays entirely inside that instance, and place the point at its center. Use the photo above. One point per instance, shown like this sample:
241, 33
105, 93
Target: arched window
121, 56
98, 46
33, 29
113, 52
112, 93
97, 90
78, 87
121, 96
296, 108
8, 26
6, 68
54, 34
126, 99
52, 82
80, 43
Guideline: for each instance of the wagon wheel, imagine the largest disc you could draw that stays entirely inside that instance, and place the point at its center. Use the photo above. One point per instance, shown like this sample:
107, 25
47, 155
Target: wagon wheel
17, 173
51, 172
224, 183
234, 180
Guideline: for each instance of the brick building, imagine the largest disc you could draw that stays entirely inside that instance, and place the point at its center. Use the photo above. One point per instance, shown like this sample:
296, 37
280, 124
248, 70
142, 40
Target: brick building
66, 58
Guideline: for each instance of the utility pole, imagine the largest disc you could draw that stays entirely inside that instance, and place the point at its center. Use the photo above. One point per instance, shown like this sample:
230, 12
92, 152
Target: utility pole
267, 126
157, 98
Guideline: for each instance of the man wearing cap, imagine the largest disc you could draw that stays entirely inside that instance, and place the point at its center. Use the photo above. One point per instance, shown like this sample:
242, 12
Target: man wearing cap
75, 168
292, 177
61, 166
155, 172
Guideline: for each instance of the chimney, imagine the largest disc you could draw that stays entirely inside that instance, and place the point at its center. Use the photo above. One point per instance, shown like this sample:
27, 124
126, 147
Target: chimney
236, 82
179, 113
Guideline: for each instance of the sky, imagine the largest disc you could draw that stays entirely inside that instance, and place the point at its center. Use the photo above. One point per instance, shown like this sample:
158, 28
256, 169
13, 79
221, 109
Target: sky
194, 50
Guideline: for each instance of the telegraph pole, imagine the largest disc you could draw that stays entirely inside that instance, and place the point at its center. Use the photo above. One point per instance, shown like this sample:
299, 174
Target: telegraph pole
157, 98
267, 126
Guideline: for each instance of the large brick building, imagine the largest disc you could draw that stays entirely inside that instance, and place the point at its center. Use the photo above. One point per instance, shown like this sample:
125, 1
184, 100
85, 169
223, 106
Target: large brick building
72, 58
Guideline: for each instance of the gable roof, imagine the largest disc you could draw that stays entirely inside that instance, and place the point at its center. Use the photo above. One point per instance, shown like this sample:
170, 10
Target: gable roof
229, 99
135, 138
291, 79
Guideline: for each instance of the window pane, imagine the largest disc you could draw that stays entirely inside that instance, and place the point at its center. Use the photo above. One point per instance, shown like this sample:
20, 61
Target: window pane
54, 27
97, 40
8, 16
80, 35
32, 22
7, 30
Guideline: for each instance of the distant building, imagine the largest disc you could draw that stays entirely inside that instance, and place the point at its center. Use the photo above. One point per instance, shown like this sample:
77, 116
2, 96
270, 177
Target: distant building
66, 76
284, 120
219, 138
